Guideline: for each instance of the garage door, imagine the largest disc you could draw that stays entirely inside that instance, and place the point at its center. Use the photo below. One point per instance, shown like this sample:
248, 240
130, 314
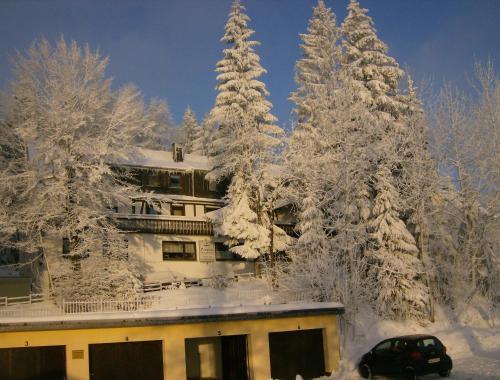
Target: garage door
28, 363
126, 361
297, 353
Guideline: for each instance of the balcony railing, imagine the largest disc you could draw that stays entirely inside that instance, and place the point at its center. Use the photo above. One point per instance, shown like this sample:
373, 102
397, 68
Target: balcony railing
160, 224
180, 225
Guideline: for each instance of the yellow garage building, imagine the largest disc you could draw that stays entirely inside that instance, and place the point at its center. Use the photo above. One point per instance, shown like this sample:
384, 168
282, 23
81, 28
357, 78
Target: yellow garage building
225, 343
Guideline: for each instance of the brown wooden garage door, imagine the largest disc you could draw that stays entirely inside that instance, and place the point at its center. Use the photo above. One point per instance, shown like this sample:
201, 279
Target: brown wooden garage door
29, 363
126, 361
297, 352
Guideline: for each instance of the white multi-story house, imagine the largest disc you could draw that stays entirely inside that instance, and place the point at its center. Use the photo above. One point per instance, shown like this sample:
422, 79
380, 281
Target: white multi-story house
168, 235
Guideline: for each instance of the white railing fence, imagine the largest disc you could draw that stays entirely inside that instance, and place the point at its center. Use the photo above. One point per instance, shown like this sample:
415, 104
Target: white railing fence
103, 305
22, 300
172, 299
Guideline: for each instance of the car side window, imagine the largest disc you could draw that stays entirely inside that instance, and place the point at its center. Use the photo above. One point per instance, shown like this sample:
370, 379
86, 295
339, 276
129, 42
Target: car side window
383, 347
399, 345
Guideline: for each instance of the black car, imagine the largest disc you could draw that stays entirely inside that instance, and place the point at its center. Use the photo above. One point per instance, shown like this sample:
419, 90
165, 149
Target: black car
406, 357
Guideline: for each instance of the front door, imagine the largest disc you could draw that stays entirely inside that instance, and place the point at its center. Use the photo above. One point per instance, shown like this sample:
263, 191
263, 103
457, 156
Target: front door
234, 357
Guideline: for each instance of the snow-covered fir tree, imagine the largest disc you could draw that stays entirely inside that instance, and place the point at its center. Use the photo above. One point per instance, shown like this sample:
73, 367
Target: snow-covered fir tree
62, 111
393, 256
321, 55
376, 74
203, 134
189, 129
244, 143
333, 203
316, 76
159, 130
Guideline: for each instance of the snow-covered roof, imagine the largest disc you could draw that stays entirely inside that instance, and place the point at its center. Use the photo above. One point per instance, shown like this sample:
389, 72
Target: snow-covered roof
155, 317
162, 159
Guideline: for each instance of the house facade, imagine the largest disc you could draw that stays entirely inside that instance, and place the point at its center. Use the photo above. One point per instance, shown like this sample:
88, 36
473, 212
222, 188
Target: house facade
168, 236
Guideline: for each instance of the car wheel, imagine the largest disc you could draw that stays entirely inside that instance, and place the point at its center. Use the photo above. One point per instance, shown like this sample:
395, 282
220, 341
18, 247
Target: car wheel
445, 373
366, 371
409, 374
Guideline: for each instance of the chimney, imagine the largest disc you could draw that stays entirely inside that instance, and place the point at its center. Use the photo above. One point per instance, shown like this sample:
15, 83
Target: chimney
177, 152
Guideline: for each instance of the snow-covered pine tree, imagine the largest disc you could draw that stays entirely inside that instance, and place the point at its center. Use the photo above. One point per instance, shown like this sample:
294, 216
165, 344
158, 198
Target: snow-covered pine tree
376, 77
316, 77
394, 265
203, 134
418, 181
158, 130
321, 56
334, 204
189, 128
241, 109
376, 74
61, 110
245, 140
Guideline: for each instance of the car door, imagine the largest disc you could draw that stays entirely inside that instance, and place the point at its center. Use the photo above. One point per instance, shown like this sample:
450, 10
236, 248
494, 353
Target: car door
383, 358
395, 362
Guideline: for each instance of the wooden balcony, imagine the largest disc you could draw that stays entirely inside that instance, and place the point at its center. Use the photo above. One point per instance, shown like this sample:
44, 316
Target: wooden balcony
164, 225
161, 224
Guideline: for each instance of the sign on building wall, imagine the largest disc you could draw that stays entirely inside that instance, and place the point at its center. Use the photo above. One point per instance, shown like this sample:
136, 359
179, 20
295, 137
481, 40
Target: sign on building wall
207, 251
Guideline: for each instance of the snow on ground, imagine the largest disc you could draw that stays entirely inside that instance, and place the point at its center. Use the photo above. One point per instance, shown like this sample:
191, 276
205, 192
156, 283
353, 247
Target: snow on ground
472, 342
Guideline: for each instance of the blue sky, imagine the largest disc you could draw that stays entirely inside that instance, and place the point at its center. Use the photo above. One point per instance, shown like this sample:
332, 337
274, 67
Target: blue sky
169, 48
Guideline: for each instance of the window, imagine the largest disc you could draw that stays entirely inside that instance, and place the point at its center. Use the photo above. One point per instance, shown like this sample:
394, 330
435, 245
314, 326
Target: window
125, 252
174, 181
399, 345
383, 347
153, 209
222, 253
137, 207
178, 210
178, 250
65, 246
210, 185
428, 344
153, 178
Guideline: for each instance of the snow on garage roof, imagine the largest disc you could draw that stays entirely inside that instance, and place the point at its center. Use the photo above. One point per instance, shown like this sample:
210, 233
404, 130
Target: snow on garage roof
163, 317
162, 159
